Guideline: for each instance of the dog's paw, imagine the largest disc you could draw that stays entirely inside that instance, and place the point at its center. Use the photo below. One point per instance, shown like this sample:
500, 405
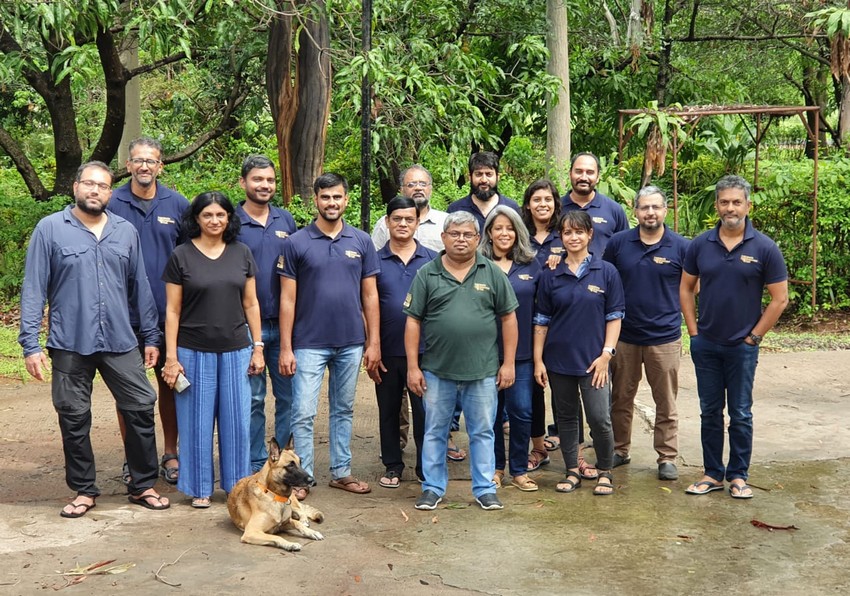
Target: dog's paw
292, 547
314, 535
318, 517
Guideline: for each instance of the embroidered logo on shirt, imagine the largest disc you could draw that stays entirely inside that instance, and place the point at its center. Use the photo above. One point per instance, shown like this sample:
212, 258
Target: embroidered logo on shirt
556, 250
660, 260
280, 262
748, 259
595, 289
599, 220
481, 287
407, 300
165, 220
281, 234
352, 254
525, 276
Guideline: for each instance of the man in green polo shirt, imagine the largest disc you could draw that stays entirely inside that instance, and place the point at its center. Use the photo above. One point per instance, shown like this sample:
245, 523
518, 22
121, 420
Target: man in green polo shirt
460, 297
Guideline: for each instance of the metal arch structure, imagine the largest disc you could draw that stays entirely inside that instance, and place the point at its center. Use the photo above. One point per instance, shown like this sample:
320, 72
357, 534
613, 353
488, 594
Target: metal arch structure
691, 115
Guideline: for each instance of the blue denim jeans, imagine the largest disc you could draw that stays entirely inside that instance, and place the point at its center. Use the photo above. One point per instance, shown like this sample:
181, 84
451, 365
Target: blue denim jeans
282, 391
725, 378
343, 365
516, 401
478, 400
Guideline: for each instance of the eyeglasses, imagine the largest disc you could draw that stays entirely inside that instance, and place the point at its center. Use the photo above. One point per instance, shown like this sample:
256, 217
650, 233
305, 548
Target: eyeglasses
418, 184
151, 163
90, 184
647, 208
464, 235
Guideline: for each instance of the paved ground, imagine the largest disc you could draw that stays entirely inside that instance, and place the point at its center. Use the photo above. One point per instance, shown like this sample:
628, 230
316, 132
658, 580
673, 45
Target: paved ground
650, 538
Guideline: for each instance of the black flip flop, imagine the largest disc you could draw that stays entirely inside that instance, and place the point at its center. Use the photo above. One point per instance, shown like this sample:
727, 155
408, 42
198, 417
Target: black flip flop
73, 515
142, 500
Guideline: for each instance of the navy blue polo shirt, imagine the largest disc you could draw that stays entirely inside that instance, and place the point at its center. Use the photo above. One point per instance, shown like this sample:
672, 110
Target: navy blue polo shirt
552, 245
731, 283
329, 271
160, 230
523, 279
607, 215
651, 276
393, 285
266, 244
577, 309
467, 204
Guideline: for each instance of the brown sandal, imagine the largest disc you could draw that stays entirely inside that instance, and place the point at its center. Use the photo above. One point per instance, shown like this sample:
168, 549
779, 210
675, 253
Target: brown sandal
524, 483
587, 471
537, 458
350, 484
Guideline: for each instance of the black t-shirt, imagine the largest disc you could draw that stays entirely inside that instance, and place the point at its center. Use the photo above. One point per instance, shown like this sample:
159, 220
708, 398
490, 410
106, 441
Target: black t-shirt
211, 317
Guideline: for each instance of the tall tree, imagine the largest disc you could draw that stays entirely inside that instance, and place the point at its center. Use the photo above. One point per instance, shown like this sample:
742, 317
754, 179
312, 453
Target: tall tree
65, 49
298, 82
558, 125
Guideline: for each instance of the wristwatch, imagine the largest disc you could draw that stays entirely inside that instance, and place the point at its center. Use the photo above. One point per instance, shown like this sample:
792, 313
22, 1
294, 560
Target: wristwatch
259, 344
611, 351
756, 339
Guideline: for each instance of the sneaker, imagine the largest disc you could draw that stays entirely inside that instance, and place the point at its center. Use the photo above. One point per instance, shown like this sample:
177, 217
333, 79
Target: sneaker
667, 471
489, 501
428, 500
621, 460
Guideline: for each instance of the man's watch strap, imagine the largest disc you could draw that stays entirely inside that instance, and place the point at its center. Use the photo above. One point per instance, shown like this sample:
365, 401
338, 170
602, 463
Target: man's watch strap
756, 339
610, 350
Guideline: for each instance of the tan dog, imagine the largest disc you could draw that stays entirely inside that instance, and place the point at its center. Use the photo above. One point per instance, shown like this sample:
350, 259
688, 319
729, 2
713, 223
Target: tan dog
262, 505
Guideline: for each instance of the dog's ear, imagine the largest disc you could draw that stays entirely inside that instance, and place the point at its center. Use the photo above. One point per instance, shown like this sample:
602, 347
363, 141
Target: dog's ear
274, 450
290, 445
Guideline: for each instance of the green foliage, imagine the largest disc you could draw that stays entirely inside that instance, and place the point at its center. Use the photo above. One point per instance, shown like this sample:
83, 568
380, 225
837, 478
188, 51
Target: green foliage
784, 211
18, 215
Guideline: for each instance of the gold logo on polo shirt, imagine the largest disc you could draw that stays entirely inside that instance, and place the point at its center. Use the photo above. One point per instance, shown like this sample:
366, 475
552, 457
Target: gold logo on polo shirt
352, 254
281, 234
481, 287
660, 260
599, 220
280, 262
595, 289
556, 250
748, 259
525, 276
407, 300
165, 220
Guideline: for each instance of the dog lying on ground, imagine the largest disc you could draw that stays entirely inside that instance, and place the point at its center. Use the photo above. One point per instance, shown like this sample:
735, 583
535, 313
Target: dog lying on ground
262, 505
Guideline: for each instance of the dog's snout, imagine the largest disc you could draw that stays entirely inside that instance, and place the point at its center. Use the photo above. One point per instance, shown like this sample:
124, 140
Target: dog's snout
310, 480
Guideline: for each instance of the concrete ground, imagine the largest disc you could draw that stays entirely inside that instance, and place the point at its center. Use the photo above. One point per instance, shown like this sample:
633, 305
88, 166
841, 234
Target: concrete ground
649, 538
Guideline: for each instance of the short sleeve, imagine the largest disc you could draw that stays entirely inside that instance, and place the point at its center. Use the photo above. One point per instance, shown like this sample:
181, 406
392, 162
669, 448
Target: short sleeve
690, 263
371, 262
415, 301
173, 273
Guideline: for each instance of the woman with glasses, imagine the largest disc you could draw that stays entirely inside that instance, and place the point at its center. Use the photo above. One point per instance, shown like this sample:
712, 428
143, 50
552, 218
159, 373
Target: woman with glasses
211, 304
506, 242
580, 306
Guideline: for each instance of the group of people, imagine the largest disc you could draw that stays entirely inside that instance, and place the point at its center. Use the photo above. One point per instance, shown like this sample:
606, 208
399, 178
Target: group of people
474, 310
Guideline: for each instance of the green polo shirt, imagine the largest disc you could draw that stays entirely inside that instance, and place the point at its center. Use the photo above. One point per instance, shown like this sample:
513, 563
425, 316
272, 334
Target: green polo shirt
459, 319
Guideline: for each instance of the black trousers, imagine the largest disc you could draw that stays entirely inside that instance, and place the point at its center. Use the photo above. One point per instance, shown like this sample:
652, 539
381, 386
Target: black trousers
389, 393
124, 375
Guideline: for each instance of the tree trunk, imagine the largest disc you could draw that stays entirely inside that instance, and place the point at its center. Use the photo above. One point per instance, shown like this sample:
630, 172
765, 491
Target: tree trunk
133, 99
299, 93
844, 112
634, 31
558, 108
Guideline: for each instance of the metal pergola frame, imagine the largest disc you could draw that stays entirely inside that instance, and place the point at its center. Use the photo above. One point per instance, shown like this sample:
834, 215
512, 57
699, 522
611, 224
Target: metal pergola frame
693, 114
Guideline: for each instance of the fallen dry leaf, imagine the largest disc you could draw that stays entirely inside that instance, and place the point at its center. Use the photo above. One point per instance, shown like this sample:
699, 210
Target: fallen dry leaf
435, 519
404, 515
665, 489
357, 579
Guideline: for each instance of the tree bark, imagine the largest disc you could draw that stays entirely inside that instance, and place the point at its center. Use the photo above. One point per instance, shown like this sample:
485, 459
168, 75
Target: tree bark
299, 89
558, 107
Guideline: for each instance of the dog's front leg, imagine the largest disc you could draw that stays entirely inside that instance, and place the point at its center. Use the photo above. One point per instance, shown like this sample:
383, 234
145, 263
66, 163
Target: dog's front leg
254, 534
300, 529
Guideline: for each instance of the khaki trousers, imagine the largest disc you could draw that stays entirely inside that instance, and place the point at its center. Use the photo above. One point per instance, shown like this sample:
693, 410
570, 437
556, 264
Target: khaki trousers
662, 373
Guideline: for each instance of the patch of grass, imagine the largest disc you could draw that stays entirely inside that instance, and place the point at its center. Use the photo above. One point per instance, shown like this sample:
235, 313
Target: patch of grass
11, 361
792, 341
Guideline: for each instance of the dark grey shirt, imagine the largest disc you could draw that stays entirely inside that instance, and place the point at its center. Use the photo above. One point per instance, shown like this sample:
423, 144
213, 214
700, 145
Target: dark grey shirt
89, 285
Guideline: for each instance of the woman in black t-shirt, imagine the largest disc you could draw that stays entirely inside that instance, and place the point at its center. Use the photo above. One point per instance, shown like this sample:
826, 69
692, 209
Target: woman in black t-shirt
211, 295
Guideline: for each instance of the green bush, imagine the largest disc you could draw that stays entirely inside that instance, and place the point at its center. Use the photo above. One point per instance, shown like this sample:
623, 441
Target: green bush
18, 215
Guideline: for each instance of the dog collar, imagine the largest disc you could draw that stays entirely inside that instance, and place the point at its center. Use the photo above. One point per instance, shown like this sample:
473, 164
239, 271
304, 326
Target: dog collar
277, 497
